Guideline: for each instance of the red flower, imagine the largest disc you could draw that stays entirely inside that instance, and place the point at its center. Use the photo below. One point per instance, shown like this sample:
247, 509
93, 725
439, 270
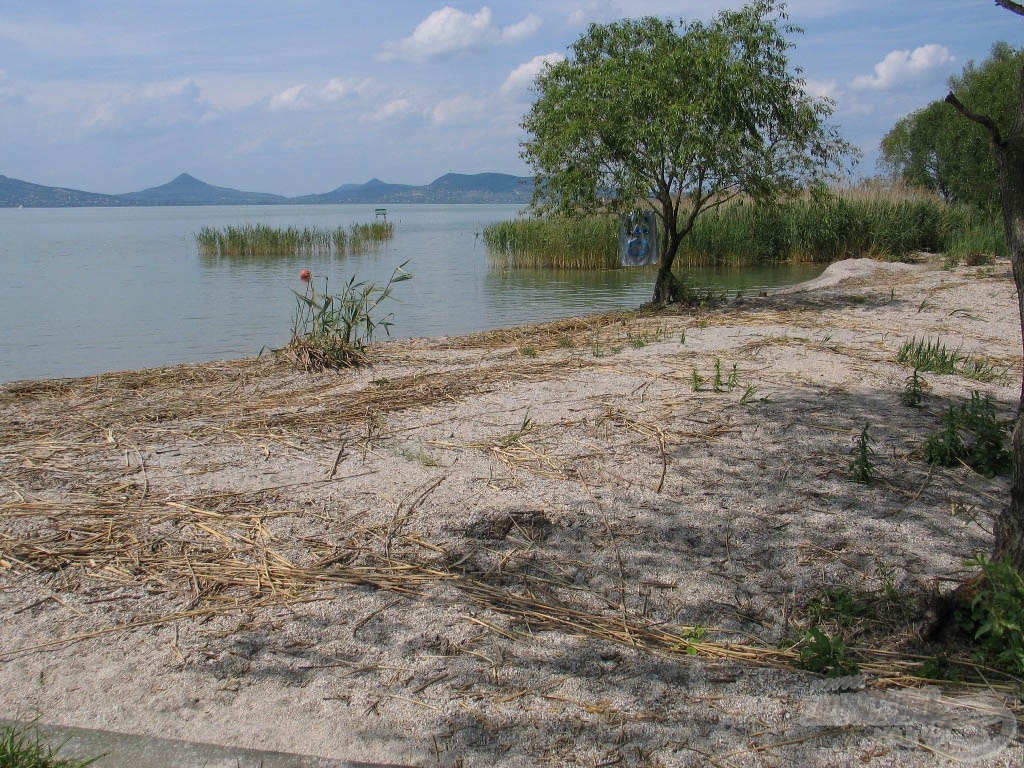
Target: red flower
305, 275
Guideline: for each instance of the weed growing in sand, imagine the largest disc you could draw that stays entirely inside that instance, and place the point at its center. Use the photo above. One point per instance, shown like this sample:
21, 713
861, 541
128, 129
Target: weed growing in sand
637, 341
19, 749
749, 397
420, 456
514, 437
692, 636
927, 355
913, 392
971, 433
333, 331
720, 381
862, 464
936, 357
841, 606
995, 614
945, 446
826, 655
566, 342
528, 351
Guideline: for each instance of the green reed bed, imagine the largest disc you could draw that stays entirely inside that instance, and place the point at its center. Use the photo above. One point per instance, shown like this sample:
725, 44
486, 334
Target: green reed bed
260, 240
557, 243
828, 228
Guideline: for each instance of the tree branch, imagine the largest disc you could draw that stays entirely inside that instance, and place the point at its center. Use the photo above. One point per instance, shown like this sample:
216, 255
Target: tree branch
1011, 6
983, 120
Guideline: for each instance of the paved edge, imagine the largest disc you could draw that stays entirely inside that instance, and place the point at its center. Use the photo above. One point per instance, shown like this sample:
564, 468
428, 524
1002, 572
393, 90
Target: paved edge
124, 750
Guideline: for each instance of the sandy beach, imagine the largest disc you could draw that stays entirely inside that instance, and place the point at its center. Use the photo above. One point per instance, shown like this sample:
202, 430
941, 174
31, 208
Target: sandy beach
590, 542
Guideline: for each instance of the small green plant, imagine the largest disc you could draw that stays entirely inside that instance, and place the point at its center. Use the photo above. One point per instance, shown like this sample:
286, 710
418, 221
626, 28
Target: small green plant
936, 357
566, 342
913, 393
334, 331
717, 383
970, 433
749, 396
842, 606
682, 337
420, 456
514, 437
694, 635
938, 667
696, 381
20, 749
734, 378
826, 655
995, 615
987, 452
927, 355
945, 446
528, 351
862, 464
637, 341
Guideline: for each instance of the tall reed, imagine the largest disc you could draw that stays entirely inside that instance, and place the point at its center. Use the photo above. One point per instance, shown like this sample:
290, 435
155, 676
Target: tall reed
558, 243
850, 224
262, 241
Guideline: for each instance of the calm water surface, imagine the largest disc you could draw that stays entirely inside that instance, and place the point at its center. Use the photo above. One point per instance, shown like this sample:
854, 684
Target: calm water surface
89, 290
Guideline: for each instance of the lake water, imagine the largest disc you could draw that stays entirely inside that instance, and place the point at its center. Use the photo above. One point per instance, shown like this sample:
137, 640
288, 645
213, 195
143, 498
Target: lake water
90, 290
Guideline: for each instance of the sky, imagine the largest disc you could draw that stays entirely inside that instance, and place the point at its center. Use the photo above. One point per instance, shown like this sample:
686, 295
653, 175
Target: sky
300, 96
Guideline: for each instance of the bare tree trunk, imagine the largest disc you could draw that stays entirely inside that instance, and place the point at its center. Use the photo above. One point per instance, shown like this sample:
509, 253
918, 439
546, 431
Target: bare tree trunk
1009, 158
1010, 163
1010, 523
667, 287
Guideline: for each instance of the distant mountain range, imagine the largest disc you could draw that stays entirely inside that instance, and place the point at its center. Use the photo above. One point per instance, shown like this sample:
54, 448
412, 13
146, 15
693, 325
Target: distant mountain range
188, 190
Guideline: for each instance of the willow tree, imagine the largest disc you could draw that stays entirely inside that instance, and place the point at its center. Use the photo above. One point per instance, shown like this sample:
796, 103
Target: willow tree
936, 149
681, 117
1006, 139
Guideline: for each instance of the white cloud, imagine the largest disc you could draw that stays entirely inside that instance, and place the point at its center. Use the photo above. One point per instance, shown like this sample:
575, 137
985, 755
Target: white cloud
448, 31
290, 98
522, 77
394, 109
304, 97
338, 88
457, 109
152, 106
821, 89
522, 30
900, 68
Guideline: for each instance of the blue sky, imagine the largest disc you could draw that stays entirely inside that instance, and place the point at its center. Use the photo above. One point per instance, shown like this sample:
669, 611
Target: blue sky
299, 96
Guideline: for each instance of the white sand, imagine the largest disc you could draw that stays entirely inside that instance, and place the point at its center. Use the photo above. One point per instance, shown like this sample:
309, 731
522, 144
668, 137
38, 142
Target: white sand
572, 464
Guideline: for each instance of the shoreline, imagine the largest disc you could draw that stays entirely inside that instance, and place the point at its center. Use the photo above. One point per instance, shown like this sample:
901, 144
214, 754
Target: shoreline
580, 541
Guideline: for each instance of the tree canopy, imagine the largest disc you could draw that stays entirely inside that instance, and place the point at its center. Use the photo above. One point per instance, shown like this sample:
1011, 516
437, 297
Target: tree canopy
936, 149
680, 117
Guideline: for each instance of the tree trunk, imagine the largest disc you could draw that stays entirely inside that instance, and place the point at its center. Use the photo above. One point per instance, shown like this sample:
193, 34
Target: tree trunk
1010, 524
1008, 152
668, 289
1009, 530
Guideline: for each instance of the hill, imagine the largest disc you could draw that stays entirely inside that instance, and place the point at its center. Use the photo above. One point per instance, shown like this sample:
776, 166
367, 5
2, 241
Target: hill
15, 193
450, 188
188, 190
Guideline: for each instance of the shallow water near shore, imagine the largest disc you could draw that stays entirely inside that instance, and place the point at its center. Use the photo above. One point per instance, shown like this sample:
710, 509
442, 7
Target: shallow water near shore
90, 290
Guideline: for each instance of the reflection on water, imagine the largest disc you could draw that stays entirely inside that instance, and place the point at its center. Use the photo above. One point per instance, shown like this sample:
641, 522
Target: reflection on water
559, 294
88, 290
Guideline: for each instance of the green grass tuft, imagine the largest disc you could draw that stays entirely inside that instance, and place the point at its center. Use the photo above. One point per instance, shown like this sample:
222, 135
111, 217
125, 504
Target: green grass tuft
20, 749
